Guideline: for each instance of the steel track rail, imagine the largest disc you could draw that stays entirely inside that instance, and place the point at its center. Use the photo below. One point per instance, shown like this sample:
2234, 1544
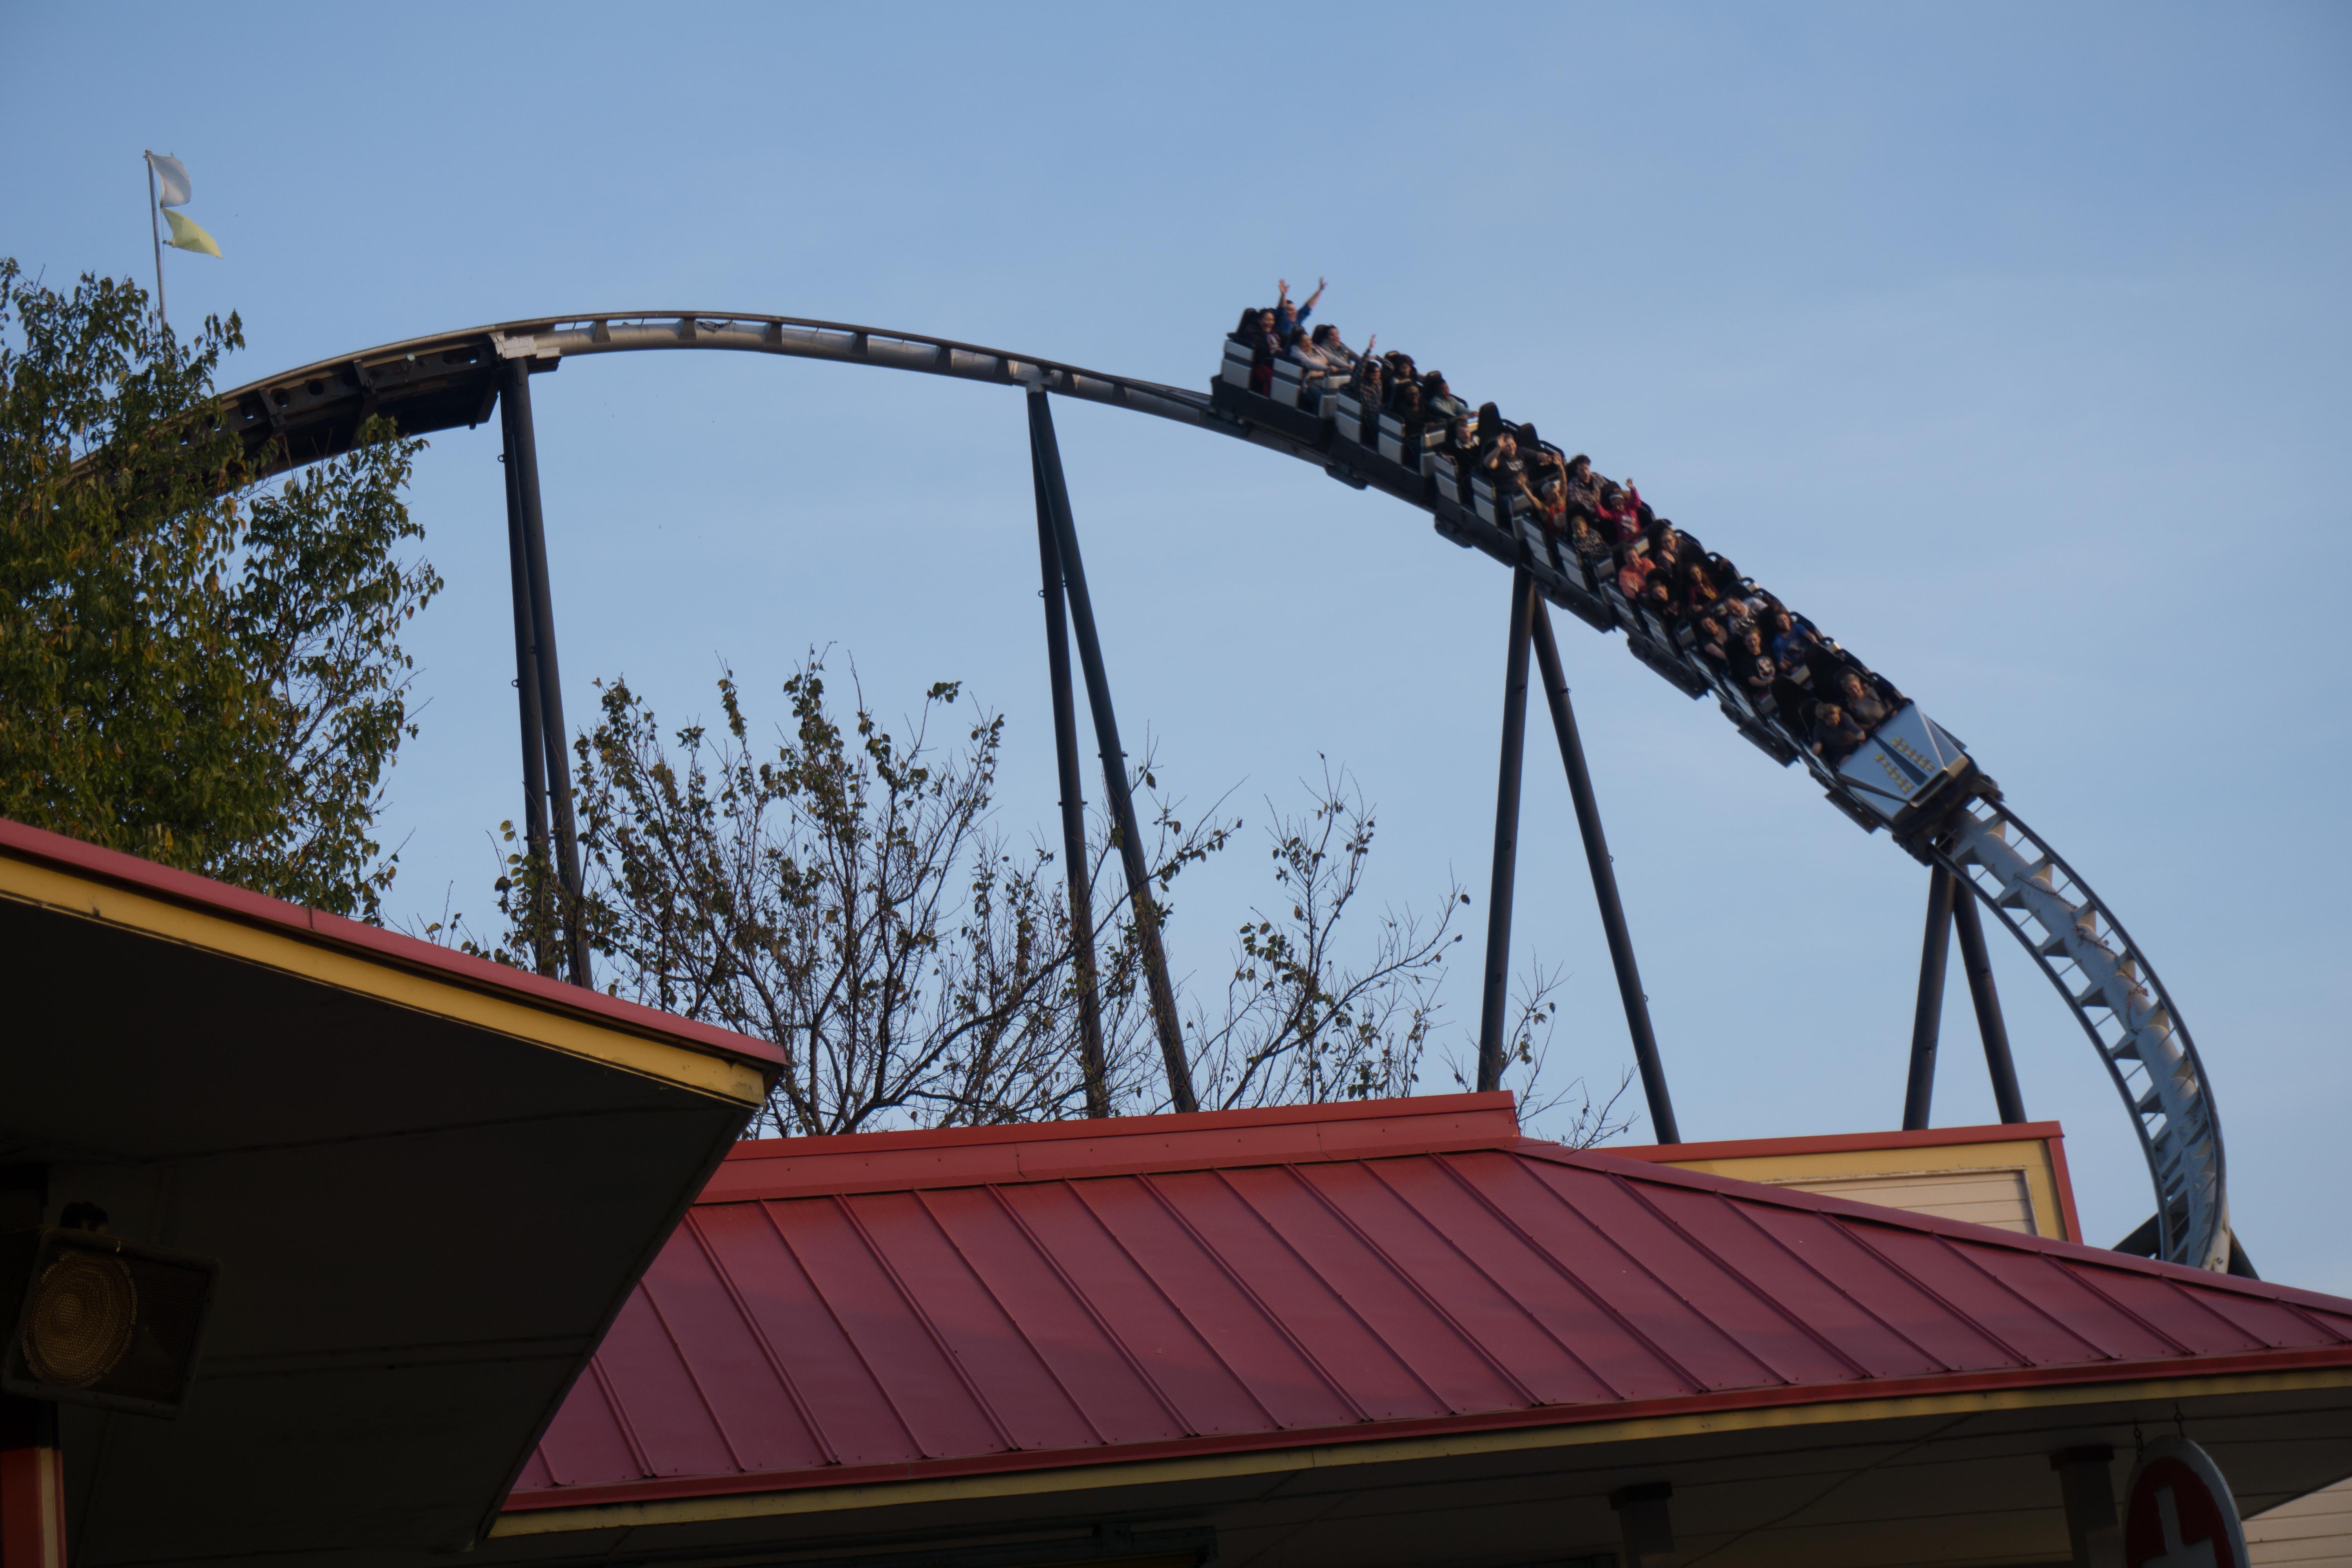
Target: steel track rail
441, 382
2114, 994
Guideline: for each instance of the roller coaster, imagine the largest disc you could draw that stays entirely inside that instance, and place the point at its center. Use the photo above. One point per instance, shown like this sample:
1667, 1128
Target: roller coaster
1911, 778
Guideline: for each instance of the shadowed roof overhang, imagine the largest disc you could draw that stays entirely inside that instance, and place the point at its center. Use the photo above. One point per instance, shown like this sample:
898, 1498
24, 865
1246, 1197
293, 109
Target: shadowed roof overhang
1386, 1332
430, 1182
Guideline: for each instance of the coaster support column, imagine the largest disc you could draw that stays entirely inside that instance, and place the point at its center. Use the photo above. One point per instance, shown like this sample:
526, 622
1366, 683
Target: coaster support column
1047, 456
1495, 999
523, 474
1977, 963
1091, 1066
534, 760
1604, 883
1927, 1022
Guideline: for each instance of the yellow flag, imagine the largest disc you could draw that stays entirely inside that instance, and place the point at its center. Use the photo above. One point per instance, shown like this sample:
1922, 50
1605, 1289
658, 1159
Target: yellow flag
187, 236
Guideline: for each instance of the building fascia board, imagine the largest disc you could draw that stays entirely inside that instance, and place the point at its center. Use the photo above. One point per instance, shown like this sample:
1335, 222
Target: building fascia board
703, 1499
85, 882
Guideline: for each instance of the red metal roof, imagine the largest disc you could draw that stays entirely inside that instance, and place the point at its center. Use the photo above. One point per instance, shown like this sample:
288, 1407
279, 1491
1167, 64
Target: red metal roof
894, 1305
20, 842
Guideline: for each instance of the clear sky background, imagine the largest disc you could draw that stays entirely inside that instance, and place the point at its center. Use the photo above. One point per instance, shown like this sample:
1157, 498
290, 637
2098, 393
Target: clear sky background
2010, 342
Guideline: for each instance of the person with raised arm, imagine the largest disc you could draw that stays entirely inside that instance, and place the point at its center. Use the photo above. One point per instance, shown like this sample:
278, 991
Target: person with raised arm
1287, 316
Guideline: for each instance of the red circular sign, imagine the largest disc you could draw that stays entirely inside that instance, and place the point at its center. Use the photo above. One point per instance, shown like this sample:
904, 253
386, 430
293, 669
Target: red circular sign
2179, 1512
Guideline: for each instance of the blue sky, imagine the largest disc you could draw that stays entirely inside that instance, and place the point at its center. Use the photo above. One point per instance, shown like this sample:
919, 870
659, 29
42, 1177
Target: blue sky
2010, 342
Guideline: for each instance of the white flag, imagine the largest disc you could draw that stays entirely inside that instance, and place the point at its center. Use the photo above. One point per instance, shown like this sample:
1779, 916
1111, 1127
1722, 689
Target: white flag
171, 176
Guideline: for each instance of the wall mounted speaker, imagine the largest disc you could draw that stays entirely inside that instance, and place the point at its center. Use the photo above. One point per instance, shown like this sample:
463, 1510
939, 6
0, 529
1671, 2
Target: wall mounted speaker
90, 1319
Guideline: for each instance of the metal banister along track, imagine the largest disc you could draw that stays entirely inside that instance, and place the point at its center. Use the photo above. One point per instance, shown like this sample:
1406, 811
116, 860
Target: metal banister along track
441, 382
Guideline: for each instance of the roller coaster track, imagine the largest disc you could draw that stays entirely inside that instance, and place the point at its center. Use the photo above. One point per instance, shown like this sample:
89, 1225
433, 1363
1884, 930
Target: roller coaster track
1956, 818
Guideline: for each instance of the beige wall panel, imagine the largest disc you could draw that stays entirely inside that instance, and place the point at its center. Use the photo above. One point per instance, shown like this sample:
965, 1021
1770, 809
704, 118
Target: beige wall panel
2313, 1531
2007, 1166
1998, 1199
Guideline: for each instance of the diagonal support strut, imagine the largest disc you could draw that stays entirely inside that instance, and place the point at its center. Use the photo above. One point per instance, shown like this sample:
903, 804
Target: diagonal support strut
1604, 883
526, 637
1046, 454
538, 682
1495, 996
1977, 963
1092, 1069
1928, 1021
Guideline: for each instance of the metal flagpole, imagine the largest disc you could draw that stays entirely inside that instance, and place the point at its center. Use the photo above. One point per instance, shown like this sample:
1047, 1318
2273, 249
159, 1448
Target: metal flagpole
155, 230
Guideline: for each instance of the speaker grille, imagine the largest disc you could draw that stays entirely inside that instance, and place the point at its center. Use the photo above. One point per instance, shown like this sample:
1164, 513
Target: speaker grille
79, 1320
99, 1321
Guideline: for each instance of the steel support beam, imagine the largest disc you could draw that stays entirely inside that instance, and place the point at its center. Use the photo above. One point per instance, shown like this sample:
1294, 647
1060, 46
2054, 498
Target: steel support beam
1495, 998
523, 476
1977, 963
1046, 454
1604, 882
534, 760
1091, 1066
1927, 1022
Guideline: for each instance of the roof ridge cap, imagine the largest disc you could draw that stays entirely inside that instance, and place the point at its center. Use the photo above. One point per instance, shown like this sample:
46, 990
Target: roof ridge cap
1156, 1124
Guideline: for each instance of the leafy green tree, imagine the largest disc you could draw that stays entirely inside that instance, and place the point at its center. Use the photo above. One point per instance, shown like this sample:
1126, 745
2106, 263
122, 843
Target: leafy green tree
192, 671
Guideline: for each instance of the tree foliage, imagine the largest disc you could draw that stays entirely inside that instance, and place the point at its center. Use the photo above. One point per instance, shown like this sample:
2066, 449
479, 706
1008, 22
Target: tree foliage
843, 893
208, 678
1300, 1021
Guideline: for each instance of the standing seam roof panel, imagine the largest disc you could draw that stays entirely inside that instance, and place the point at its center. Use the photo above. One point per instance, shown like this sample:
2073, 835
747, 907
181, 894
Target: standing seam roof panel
584, 1446
1543, 1200
902, 1347
1001, 1367
889, 1345
1859, 1345
2272, 1322
1721, 1294
1476, 1308
654, 1394
1259, 1353
2179, 1312
1084, 1360
854, 1418
1443, 1363
1287, 1290
1171, 1308
755, 1415
1182, 1366
2026, 1333
1619, 1364
1889, 1295
2110, 1330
